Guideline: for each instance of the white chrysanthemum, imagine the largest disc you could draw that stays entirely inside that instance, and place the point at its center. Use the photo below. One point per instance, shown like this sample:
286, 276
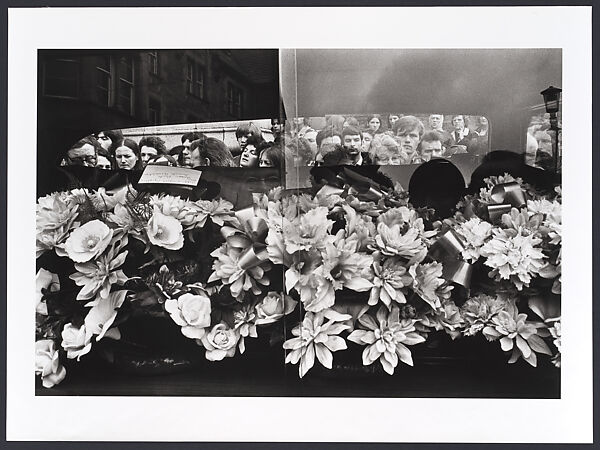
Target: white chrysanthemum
386, 338
513, 256
429, 284
475, 232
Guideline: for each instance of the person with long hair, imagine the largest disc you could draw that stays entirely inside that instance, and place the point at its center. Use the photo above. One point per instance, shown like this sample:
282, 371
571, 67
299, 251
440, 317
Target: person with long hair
128, 155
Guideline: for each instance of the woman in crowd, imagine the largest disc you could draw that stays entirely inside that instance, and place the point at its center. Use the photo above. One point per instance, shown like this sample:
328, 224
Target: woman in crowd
374, 124
384, 151
181, 153
251, 152
271, 156
128, 155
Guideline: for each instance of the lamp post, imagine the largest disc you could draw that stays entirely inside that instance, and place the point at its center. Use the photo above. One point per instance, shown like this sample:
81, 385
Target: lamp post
552, 103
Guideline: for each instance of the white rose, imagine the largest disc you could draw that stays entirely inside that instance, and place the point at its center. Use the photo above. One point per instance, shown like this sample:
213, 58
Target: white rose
75, 342
47, 363
273, 307
88, 241
192, 313
165, 231
220, 342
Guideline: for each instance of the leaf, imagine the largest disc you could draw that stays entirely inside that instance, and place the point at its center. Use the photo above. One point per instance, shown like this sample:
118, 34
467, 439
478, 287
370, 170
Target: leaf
357, 336
336, 343
522, 345
359, 284
506, 343
404, 354
335, 316
324, 355
538, 345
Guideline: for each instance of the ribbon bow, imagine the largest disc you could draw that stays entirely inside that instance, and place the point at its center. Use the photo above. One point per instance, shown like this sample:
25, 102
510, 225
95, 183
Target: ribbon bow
447, 250
505, 196
350, 182
250, 240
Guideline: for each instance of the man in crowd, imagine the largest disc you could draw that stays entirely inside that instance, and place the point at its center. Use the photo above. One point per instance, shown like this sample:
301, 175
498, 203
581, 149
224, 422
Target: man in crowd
326, 140
83, 153
431, 146
188, 138
244, 132
436, 123
461, 134
352, 142
409, 131
151, 146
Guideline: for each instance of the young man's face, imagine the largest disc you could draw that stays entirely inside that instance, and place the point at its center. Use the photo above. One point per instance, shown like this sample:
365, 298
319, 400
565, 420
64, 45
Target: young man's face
431, 149
409, 140
458, 122
104, 140
436, 121
243, 140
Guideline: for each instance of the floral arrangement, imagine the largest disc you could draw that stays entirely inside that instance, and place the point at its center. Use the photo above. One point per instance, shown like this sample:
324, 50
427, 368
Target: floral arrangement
357, 266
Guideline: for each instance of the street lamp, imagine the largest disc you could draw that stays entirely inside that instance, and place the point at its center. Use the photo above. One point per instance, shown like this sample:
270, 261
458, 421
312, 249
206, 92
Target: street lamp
552, 103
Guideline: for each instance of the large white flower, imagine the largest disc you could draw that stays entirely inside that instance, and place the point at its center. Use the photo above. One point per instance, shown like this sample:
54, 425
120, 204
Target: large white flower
75, 341
343, 267
100, 318
314, 336
273, 307
88, 241
307, 231
429, 284
47, 363
479, 310
475, 232
389, 283
55, 211
165, 231
400, 232
192, 313
517, 334
99, 275
227, 269
220, 342
514, 256
386, 338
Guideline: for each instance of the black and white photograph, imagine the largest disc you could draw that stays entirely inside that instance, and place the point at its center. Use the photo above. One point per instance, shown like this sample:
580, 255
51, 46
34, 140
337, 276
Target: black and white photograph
256, 223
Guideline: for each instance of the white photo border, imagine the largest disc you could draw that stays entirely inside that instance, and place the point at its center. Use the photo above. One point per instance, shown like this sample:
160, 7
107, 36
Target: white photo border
568, 419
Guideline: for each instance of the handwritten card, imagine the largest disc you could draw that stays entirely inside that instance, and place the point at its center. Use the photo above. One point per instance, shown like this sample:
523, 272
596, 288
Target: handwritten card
155, 174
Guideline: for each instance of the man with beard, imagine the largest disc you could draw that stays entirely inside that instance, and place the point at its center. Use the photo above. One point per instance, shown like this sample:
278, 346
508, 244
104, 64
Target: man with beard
352, 140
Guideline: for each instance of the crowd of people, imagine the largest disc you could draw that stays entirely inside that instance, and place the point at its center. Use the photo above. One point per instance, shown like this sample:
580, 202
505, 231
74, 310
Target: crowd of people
342, 141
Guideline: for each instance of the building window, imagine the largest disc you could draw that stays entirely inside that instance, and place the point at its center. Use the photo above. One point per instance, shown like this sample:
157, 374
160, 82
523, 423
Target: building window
61, 78
153, 60
125, 100
234, 100
154, 111
104, 81
194, 79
